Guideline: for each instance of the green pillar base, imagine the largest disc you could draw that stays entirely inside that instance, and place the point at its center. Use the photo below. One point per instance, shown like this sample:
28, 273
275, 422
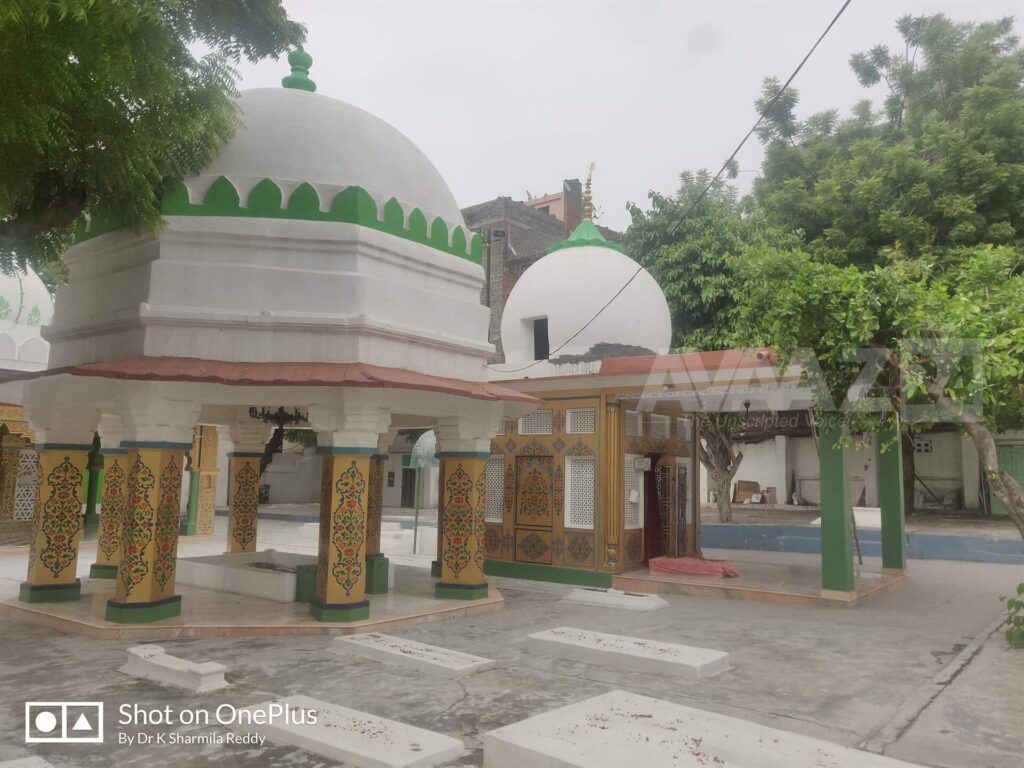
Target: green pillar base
460, 591
141, 613
435, 568
376, 574
97, 571
50, 593
340, 611
305, 583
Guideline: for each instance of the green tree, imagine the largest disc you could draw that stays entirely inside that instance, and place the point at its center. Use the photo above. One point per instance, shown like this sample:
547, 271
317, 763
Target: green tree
104, 100
686, 241
913, 219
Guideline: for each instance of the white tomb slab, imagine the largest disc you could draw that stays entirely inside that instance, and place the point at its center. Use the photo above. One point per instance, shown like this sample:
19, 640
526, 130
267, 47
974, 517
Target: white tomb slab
409, 653
621, 728
615, 598
355, 738
268, 574
631, 653
150, 662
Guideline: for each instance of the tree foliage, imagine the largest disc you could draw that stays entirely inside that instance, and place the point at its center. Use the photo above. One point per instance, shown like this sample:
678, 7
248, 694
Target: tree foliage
686, 243
913, 220
104, 100
939, 165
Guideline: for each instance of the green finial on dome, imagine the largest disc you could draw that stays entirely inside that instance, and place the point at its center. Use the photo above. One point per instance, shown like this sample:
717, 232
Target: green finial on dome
299, 78
586, 233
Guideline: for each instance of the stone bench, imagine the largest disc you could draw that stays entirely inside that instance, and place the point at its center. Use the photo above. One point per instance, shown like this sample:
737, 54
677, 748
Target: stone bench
630, 653
149, 662
355, 738
411, 654
625, 729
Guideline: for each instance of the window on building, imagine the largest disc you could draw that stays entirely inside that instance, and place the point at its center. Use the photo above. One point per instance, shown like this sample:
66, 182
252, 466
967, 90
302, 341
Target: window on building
541, 344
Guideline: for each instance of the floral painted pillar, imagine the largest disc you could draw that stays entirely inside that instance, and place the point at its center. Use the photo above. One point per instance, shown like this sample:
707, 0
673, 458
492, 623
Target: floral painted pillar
463, 498
149, 533
613, 497
249, 439
53, 554
202, 481
112, 506
376, 563
464, 445
244, 476
348, 435
341, 559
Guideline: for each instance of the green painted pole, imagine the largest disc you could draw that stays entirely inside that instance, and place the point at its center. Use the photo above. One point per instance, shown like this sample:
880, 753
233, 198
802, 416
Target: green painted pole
836, 509
890, 497
91, 523
191, 524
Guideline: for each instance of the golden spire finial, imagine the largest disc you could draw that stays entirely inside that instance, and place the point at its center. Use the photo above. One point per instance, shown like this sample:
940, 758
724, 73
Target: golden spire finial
588, 206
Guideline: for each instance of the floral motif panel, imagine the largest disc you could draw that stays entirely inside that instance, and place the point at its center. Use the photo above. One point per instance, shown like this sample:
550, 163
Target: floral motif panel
535, 477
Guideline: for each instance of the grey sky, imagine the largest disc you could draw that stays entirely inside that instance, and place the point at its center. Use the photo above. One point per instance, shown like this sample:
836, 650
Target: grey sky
508, 96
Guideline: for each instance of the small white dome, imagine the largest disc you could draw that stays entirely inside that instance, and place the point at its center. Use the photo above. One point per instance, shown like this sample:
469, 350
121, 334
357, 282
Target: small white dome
25, 306
293, 136
569, 287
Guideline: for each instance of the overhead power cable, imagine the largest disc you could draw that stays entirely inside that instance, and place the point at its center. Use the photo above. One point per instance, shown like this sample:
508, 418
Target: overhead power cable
696, 202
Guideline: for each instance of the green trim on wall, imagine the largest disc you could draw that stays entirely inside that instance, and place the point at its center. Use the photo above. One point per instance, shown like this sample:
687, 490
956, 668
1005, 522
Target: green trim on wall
352, 205
143, 613
552, 573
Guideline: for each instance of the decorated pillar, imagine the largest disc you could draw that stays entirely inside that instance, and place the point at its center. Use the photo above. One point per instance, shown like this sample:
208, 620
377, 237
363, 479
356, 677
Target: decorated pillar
613, 492
889, 444
244, 477
93, 489
149, 534
11, 447
249, 438
202, 481
112, 507
348, 435
463, 498
53, 554
837, 575
376, 563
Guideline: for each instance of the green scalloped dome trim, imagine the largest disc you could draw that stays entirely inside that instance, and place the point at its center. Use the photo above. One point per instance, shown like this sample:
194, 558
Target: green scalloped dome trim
352, 205
586, 233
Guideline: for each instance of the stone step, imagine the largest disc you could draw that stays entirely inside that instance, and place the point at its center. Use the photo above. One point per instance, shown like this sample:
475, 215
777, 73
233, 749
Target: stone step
625, 729
630, 653
355, 738
150, 662
411, 654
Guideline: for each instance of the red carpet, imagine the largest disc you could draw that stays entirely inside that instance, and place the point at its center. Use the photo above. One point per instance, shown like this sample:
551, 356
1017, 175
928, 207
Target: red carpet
693, 566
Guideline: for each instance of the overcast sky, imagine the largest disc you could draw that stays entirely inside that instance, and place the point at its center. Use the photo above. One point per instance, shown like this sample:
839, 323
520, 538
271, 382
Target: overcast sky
510, 96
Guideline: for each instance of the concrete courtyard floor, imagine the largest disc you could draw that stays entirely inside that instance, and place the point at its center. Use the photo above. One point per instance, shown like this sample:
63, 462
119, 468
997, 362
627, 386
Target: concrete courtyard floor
841, 675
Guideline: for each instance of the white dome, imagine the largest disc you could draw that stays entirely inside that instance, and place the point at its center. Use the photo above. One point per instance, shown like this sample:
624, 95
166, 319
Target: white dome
569, 287
25, 306
293, 136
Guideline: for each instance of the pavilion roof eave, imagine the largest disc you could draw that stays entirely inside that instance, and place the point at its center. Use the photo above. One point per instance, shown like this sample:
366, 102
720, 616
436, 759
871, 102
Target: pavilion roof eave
278, 374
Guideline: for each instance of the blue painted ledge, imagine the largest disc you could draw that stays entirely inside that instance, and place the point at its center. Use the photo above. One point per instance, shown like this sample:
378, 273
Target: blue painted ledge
807, 538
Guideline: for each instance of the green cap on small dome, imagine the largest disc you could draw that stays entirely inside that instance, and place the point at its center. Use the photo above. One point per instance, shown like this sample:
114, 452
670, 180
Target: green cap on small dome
586, 232
299, 78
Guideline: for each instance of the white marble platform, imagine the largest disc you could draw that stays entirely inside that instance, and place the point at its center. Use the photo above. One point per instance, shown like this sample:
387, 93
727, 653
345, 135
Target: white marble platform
615, 598
625, 729
630, 653
409, 653
268, 573
352, 737
150, 662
